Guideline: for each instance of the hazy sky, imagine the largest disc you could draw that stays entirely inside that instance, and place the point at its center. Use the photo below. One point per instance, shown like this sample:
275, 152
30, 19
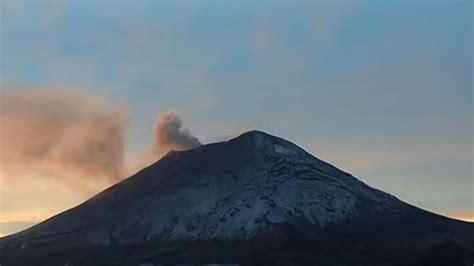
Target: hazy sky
381, 89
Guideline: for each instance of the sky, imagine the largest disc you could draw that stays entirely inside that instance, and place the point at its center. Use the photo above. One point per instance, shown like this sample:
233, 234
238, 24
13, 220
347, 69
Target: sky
93, 90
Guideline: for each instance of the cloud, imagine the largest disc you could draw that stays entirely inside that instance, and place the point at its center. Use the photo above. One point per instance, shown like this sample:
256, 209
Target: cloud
169, 134
75, 138
60, 134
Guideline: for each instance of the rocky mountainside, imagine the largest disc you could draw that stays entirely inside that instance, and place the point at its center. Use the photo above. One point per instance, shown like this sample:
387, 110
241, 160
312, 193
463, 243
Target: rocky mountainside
254, 199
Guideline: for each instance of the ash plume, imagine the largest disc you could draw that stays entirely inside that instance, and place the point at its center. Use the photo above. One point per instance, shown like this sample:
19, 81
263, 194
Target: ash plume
59, 133
169, 134
75, 138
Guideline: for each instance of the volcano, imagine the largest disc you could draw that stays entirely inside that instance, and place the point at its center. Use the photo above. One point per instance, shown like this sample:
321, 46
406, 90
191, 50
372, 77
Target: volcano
253, 200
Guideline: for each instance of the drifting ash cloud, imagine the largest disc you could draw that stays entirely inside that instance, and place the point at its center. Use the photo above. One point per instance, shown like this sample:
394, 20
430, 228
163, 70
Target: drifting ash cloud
75, 138
59, 134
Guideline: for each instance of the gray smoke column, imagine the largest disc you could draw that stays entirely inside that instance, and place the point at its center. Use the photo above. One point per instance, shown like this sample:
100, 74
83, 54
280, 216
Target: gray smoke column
169, 134
61, 134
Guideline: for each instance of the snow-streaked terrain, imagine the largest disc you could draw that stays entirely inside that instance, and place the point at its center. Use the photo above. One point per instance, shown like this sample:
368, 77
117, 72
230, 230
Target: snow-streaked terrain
255, 186
287, 185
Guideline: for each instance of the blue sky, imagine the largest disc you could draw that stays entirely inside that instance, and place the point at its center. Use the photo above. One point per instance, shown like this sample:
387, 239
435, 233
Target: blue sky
382, 89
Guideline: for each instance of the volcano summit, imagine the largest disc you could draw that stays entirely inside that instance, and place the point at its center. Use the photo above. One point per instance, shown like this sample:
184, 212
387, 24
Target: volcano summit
254, 200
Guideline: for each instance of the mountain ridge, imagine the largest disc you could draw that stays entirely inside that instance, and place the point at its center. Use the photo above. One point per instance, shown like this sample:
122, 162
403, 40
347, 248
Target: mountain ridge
256, 188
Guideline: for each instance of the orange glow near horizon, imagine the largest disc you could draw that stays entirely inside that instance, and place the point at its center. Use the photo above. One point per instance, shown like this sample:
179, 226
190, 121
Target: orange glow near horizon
36, 216
465, 218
